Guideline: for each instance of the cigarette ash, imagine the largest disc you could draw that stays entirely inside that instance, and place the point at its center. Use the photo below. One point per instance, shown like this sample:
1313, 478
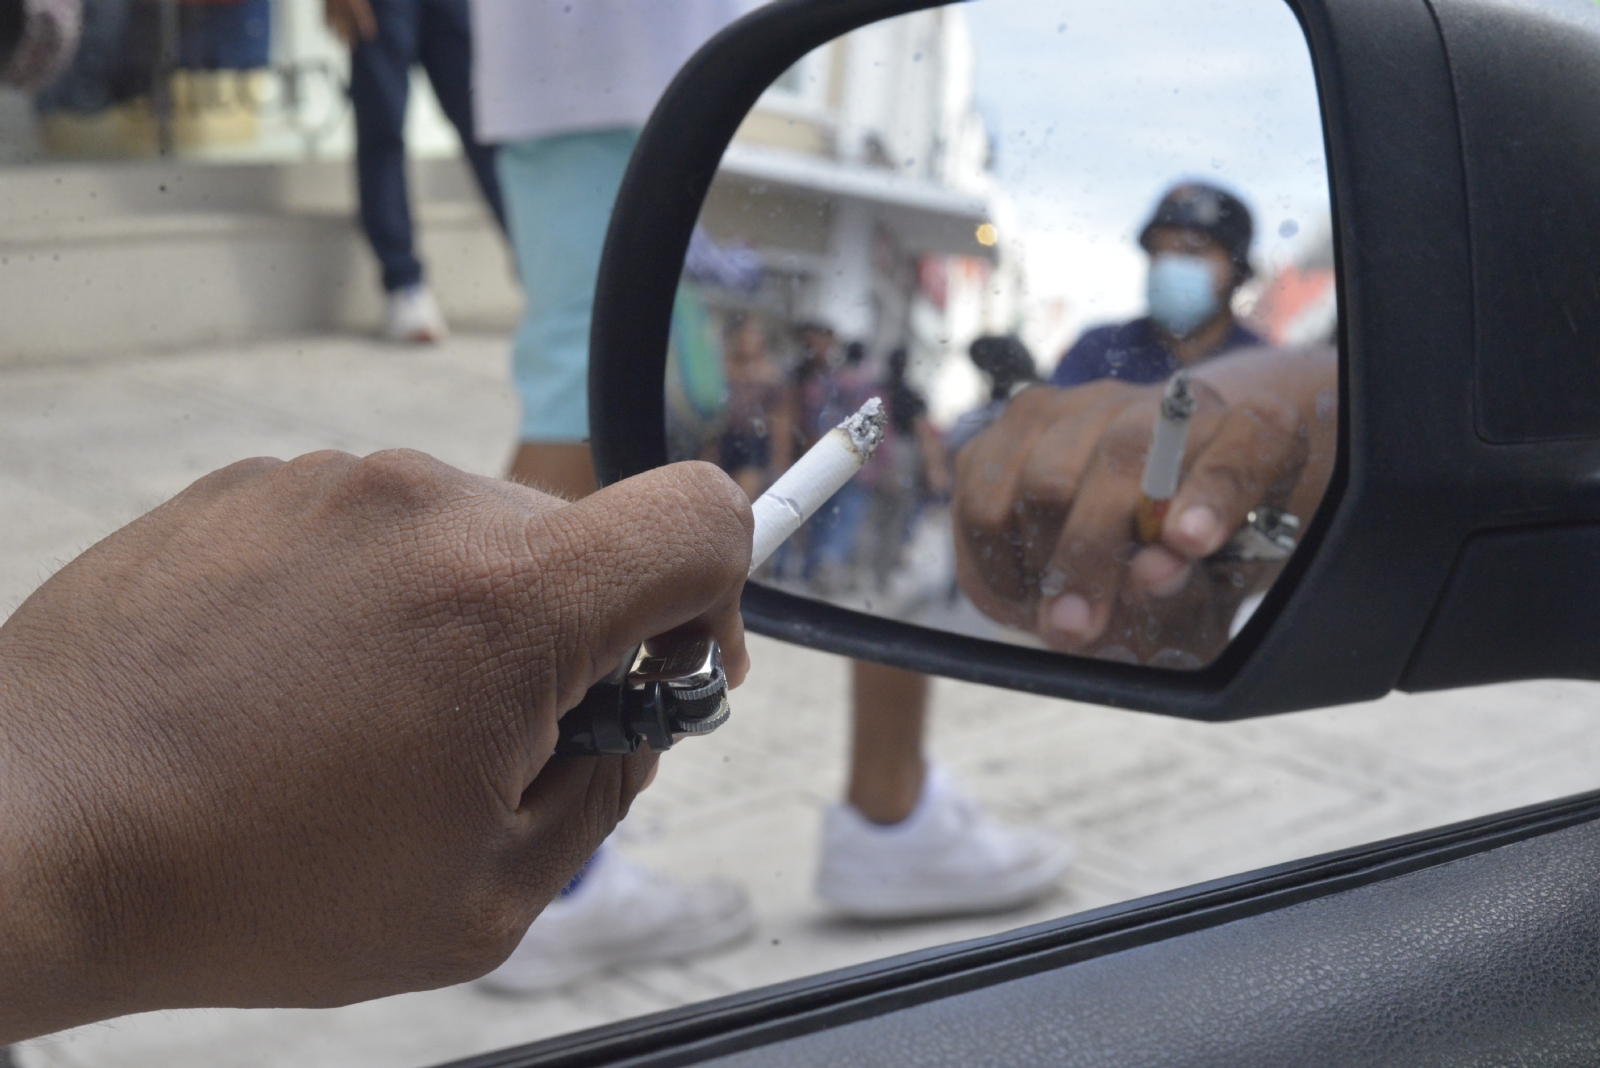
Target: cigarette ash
865, 429
1177, 400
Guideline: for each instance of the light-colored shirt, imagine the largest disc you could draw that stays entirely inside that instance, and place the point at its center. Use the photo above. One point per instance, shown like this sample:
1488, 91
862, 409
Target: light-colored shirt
543, 67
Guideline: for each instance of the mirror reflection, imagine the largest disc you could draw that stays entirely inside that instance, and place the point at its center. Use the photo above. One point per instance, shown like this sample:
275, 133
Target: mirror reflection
1085, 261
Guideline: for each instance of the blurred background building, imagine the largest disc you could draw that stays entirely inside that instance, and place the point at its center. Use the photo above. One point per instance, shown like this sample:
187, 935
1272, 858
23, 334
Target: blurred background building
863, 180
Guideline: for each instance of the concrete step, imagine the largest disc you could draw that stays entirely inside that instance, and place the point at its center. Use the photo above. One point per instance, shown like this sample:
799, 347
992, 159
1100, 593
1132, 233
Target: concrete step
104, 258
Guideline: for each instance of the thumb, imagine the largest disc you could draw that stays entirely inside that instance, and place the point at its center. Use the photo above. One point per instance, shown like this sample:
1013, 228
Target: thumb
661, 551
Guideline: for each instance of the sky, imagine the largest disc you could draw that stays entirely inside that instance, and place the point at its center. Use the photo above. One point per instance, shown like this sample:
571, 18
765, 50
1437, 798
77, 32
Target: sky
1096, 106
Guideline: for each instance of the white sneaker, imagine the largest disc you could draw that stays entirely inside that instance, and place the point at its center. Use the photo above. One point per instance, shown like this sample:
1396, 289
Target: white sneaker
413, 315
622, 913
948, 857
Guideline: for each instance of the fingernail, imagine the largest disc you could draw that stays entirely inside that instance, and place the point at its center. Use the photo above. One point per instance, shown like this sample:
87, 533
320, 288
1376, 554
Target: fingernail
1070, 615
1199, 525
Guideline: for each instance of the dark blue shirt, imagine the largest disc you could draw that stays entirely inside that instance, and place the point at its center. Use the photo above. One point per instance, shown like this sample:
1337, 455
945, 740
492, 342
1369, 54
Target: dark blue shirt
1130, 352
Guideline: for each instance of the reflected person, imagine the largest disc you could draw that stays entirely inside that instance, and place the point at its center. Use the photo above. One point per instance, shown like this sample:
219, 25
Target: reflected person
906, 840
1045, 496
756, 440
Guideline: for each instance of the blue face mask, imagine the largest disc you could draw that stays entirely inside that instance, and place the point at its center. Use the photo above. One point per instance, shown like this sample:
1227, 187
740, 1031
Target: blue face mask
1181, 292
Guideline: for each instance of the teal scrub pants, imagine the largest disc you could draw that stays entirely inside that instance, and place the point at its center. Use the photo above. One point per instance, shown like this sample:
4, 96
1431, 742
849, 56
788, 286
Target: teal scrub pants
558, 193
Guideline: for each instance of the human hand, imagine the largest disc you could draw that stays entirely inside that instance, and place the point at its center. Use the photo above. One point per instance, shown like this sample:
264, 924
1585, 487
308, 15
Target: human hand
287, 739
352, 21
1045, 501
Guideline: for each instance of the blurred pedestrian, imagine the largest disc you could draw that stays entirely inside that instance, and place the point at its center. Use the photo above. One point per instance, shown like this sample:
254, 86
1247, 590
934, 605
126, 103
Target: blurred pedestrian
830, 396
386, 38
563, 88
756, 438
1008, 365
1198, 243
913, 468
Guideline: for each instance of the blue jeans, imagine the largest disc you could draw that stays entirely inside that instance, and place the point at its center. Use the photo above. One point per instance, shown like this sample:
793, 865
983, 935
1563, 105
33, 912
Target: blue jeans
835, 527
559, 191
437, 34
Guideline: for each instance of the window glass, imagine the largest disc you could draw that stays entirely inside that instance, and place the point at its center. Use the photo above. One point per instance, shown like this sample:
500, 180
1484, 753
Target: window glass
165, 315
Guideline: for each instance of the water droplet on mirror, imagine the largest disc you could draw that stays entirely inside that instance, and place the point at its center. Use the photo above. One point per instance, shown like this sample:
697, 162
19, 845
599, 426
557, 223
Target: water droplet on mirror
1288, 228
1327, 404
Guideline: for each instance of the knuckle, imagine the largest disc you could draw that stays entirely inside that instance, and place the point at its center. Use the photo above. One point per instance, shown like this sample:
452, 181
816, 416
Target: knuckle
1050, 475
985, 514
321, 462
1231, 478
1121, 449
709, 532
398, 480
719, 495
250, 468
235, 474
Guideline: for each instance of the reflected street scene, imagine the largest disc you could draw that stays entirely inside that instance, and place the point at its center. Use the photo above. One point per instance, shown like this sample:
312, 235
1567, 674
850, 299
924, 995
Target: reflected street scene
1028, 228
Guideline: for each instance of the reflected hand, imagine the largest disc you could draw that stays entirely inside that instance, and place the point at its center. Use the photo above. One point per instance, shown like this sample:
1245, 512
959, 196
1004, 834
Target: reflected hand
287, 739
1045, 502
352, 21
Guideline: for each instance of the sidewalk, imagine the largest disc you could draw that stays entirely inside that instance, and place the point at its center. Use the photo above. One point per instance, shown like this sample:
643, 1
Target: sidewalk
1152, 803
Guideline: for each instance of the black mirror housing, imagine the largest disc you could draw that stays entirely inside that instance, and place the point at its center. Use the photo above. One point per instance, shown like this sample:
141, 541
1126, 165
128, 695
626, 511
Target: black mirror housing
1462, 147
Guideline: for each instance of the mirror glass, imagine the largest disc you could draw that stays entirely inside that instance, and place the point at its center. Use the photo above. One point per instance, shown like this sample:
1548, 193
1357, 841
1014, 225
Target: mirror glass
1083, 255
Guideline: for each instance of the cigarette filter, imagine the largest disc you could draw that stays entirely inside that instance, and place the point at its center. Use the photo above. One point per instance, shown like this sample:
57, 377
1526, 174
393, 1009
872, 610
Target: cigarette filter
815, 477
1164, 463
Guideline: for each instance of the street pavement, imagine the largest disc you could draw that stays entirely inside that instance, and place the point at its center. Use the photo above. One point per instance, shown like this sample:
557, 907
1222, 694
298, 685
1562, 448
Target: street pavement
1151, 803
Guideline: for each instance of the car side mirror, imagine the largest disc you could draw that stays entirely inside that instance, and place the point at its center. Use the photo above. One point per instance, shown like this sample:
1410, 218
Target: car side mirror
1456, 532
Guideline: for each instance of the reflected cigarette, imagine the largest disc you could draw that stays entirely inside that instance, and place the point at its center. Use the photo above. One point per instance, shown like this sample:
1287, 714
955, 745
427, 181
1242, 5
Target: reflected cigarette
815, 477
1164, 464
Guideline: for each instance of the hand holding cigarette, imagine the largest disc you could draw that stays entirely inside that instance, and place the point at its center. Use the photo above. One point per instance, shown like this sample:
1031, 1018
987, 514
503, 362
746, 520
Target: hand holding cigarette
1267, 534
1094, 515
665, 690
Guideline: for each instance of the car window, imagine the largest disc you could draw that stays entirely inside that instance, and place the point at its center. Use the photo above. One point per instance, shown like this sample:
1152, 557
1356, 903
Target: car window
185, 284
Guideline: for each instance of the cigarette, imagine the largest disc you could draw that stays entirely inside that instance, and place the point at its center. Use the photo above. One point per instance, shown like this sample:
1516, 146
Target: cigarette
815, 477
1164, 463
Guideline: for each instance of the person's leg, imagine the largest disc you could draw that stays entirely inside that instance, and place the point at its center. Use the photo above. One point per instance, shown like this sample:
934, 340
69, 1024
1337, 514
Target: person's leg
380, 73
558, 199
446, 54
888, 710
908, 842
559, 192
560, 467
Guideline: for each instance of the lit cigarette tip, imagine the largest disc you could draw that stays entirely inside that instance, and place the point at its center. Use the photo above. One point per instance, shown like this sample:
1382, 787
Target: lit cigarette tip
865, 429
814, 478
1177, 400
